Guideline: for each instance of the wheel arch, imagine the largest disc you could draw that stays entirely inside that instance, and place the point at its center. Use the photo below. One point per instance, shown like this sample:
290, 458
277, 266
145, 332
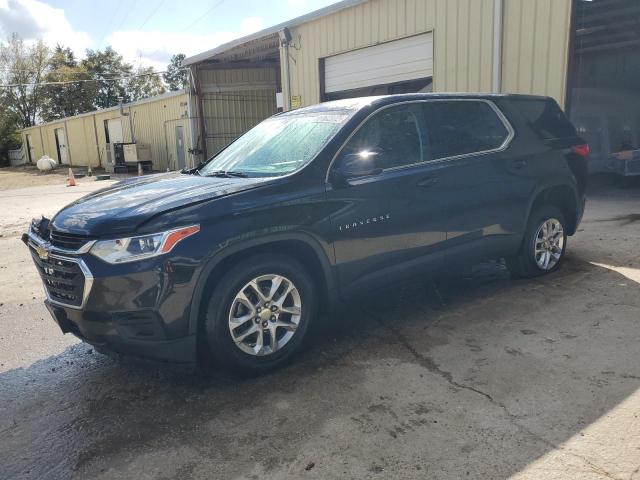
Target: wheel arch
302, 247
562, 196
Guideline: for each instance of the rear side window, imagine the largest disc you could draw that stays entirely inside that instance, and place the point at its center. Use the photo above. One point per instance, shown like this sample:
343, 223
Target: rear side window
461, 127
545, 118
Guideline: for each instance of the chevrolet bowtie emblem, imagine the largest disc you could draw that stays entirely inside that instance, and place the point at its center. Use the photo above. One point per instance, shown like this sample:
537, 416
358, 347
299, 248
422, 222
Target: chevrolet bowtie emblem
42, 252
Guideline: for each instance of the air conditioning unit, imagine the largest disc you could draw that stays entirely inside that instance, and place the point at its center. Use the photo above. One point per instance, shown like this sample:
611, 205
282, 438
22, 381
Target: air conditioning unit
136, 152
123, 157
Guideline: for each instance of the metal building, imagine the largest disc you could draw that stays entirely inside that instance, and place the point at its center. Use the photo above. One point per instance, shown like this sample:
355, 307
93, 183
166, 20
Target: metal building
160, 123
363, 47
368, 47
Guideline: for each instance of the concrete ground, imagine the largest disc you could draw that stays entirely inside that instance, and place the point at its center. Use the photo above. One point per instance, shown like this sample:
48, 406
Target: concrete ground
477, 376
29, 176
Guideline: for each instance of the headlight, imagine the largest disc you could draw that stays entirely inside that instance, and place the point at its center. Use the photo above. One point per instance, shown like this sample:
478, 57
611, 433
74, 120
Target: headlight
131, 249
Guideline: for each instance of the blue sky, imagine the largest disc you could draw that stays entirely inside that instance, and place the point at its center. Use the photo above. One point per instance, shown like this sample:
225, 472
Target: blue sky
146, 31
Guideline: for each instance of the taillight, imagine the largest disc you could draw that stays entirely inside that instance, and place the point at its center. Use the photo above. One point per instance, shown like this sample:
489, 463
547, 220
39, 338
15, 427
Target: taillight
582, 150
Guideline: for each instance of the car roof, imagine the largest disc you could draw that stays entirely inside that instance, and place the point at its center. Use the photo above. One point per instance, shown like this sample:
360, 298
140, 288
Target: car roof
352, 105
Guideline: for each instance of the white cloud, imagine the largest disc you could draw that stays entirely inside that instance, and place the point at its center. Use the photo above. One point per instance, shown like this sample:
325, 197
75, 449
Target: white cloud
251, 25
155, 48
33, 20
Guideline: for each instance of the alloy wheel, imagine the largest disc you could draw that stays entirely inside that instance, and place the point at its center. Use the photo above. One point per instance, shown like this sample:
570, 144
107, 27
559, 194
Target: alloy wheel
549, 244
265, 315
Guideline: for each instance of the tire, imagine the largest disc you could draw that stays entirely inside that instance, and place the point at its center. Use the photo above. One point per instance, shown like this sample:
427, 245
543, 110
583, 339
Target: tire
527, 263
225, 329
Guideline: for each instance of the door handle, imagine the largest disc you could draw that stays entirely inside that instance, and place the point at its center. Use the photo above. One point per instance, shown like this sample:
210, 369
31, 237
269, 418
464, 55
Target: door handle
428, 182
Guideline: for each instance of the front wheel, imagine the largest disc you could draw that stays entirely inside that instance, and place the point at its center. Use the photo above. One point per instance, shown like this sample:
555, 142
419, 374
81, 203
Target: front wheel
543, 246
259, 313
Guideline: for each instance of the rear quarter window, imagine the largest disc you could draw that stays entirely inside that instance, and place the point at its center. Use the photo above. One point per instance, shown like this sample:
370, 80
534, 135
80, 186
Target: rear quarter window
462, 127
545, 118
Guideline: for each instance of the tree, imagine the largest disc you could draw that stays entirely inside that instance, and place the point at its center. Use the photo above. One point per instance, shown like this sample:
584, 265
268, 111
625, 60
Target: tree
144, 83
24, 68
108, 68
176, 76
65, 100
10, 138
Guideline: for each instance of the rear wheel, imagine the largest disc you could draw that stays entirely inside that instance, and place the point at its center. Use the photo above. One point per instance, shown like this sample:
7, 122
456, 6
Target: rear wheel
544, 244
259, 313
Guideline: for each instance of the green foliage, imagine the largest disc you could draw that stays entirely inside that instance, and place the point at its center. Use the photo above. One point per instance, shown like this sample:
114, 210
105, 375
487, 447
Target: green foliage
26, 101
65, 100
107, 67
175, 76
144, 84
10, 138
25, 66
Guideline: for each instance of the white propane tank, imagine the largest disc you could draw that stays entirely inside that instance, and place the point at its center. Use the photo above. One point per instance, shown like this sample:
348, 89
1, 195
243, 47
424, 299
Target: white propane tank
46, 163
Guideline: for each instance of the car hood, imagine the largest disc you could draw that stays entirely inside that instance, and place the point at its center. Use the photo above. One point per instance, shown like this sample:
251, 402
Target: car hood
126, 205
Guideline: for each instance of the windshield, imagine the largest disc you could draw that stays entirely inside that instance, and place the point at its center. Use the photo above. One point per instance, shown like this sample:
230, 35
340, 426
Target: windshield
277, 146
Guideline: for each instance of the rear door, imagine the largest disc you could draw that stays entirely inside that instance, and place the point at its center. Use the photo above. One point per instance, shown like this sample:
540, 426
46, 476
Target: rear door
484, 190
389, 223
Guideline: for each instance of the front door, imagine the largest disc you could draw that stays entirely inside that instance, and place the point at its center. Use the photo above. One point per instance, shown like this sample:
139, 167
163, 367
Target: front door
180, 147
387, 222
61, 144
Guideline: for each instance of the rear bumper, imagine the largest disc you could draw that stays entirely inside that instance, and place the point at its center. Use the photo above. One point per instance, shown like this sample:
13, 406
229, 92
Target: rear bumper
135, 334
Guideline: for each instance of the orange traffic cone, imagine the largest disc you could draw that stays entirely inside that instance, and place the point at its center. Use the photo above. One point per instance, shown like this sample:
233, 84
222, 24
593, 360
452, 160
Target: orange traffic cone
140, 169
71, 179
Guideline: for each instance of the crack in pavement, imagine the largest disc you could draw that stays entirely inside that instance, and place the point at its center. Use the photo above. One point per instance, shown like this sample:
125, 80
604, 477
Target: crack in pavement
432, 366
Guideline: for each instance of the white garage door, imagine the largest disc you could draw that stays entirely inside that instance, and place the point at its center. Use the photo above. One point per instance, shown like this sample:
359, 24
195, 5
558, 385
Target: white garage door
397, 61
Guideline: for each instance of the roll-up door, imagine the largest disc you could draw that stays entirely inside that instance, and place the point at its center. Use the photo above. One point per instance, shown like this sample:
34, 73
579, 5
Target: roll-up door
395, 62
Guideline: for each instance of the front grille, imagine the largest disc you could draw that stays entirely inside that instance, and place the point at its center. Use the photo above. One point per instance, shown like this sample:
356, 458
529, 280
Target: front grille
62, 278
68, 240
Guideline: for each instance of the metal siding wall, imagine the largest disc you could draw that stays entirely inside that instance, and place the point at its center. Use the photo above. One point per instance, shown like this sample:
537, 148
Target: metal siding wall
536, 47
81, 142
152, 119
232, 104
462, 43
535, 42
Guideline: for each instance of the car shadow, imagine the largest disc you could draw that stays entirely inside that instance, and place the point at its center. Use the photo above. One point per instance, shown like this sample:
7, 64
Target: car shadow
471, 375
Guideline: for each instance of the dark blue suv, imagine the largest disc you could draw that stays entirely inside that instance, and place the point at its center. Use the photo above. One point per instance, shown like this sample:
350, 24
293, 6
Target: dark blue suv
236, 258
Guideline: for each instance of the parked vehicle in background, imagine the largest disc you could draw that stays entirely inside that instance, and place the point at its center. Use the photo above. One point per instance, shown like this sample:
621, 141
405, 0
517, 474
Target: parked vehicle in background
236, 257
625, 163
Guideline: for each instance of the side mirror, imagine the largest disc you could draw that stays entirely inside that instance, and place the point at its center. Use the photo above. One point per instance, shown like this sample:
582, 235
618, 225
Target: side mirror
354, 165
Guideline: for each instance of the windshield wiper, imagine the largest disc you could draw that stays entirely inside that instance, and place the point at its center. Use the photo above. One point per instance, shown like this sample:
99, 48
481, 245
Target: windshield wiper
193, 171
226, 173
